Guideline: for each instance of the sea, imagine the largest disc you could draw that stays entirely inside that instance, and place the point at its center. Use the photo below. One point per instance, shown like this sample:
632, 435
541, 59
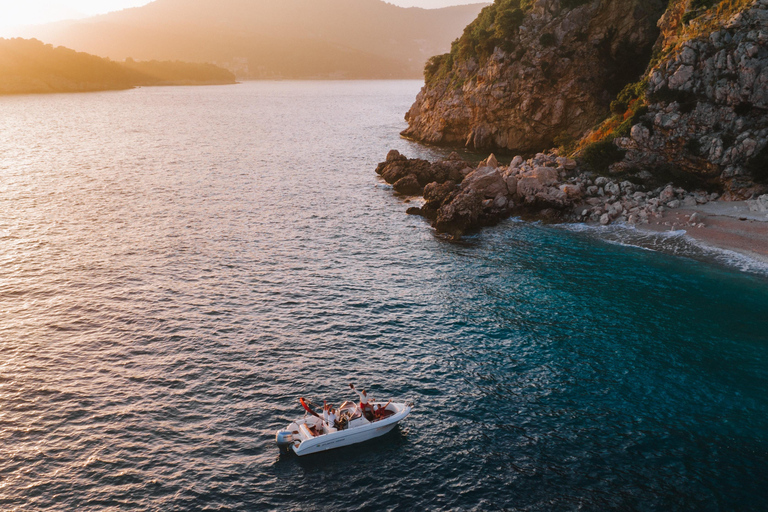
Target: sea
179, 265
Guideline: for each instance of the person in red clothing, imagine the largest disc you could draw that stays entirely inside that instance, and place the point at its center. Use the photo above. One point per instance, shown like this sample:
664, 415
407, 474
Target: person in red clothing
365, 403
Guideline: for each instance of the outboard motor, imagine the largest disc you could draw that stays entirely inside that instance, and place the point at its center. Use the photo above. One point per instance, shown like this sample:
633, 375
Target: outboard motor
284, 438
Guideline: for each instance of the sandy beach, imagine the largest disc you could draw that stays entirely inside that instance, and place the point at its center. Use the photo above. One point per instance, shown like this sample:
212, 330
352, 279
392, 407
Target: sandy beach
727, 225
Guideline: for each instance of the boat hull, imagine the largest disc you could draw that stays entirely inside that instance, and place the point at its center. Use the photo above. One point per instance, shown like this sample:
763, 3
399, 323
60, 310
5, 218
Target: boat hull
350, 436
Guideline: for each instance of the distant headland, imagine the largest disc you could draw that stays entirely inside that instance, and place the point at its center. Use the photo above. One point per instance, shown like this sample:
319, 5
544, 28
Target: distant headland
28, 66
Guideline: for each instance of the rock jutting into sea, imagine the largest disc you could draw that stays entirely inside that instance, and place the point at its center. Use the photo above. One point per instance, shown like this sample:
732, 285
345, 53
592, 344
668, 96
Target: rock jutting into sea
580, 75
460, 197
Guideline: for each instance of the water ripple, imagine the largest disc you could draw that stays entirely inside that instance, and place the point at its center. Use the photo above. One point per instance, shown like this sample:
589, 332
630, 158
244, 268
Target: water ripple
178, 265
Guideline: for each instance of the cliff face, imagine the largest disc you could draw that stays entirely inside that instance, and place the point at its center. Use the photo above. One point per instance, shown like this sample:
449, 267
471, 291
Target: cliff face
527, 73
705, 101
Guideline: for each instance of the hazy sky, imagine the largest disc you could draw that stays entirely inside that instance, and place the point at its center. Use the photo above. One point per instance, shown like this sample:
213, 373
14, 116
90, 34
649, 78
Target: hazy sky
29, 12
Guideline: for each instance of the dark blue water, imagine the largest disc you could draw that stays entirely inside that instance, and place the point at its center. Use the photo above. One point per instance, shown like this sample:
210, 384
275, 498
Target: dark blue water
178, 265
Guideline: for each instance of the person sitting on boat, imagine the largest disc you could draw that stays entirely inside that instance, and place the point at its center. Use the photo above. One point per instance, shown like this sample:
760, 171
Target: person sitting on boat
381, 411
365, 403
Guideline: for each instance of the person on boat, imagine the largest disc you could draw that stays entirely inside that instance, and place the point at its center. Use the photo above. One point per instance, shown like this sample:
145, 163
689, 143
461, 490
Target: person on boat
329, 418
365, 403
381, 411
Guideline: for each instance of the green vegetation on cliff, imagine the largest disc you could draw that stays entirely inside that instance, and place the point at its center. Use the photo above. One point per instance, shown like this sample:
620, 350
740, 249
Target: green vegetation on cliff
494, 27
28, 66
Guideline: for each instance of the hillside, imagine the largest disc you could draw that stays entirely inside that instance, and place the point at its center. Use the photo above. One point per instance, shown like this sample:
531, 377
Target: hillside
30, 66
675, 92
265, 39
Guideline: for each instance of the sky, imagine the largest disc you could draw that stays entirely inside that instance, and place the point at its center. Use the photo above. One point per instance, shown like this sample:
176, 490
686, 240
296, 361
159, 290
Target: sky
15, 13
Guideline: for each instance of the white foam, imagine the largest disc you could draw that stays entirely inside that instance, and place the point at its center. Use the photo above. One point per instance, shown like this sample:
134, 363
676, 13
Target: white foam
677, 243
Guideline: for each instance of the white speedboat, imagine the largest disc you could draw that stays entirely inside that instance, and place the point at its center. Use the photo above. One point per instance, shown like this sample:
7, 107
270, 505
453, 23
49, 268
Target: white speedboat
311, 435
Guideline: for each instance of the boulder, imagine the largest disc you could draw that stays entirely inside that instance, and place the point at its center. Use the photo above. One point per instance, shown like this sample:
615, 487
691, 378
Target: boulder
487, 181
547, 176
460, 214
489, 162
408, 185
435, 193
572, 191
668, 194
566, 163
511, 182
394, 172
614, 210
528, 188
394, 155
762, 203
613, 189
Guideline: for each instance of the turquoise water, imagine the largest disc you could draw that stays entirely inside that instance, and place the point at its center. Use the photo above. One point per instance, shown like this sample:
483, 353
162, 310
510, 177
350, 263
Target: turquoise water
178, 265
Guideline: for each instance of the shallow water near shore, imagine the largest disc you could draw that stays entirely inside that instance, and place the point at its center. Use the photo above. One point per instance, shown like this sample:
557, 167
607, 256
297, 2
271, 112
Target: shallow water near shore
178, 265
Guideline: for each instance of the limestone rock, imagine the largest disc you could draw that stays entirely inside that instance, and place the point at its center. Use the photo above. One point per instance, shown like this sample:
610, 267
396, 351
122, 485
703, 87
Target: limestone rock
487, 181
707, 97
489, 162
668, 194
523, 99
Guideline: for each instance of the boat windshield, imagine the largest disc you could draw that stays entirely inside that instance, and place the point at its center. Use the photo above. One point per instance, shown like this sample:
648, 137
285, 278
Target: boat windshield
350, 409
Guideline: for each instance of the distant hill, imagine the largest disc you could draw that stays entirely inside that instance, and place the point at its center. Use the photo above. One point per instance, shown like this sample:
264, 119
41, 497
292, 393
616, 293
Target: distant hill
28, 66
271, 38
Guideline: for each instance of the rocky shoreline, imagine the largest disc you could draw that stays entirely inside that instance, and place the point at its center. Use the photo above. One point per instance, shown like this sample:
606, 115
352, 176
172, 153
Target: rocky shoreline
460, 197
679, 89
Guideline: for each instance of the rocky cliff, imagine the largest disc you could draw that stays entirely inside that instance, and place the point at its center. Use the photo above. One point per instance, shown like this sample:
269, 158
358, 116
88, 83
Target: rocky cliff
678, 91
527, 73
700, 113
689, 129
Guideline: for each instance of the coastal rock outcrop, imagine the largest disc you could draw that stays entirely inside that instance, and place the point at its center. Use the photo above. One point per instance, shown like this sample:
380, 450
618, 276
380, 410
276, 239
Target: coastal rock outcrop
410, 176
703, 107
580, 75
527, 73
546, 187
462, 198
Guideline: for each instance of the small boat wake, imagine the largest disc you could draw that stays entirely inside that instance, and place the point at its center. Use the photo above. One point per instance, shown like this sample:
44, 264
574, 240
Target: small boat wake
352, 423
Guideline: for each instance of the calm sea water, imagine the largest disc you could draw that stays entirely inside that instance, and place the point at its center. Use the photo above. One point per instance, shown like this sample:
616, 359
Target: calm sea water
178, 265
